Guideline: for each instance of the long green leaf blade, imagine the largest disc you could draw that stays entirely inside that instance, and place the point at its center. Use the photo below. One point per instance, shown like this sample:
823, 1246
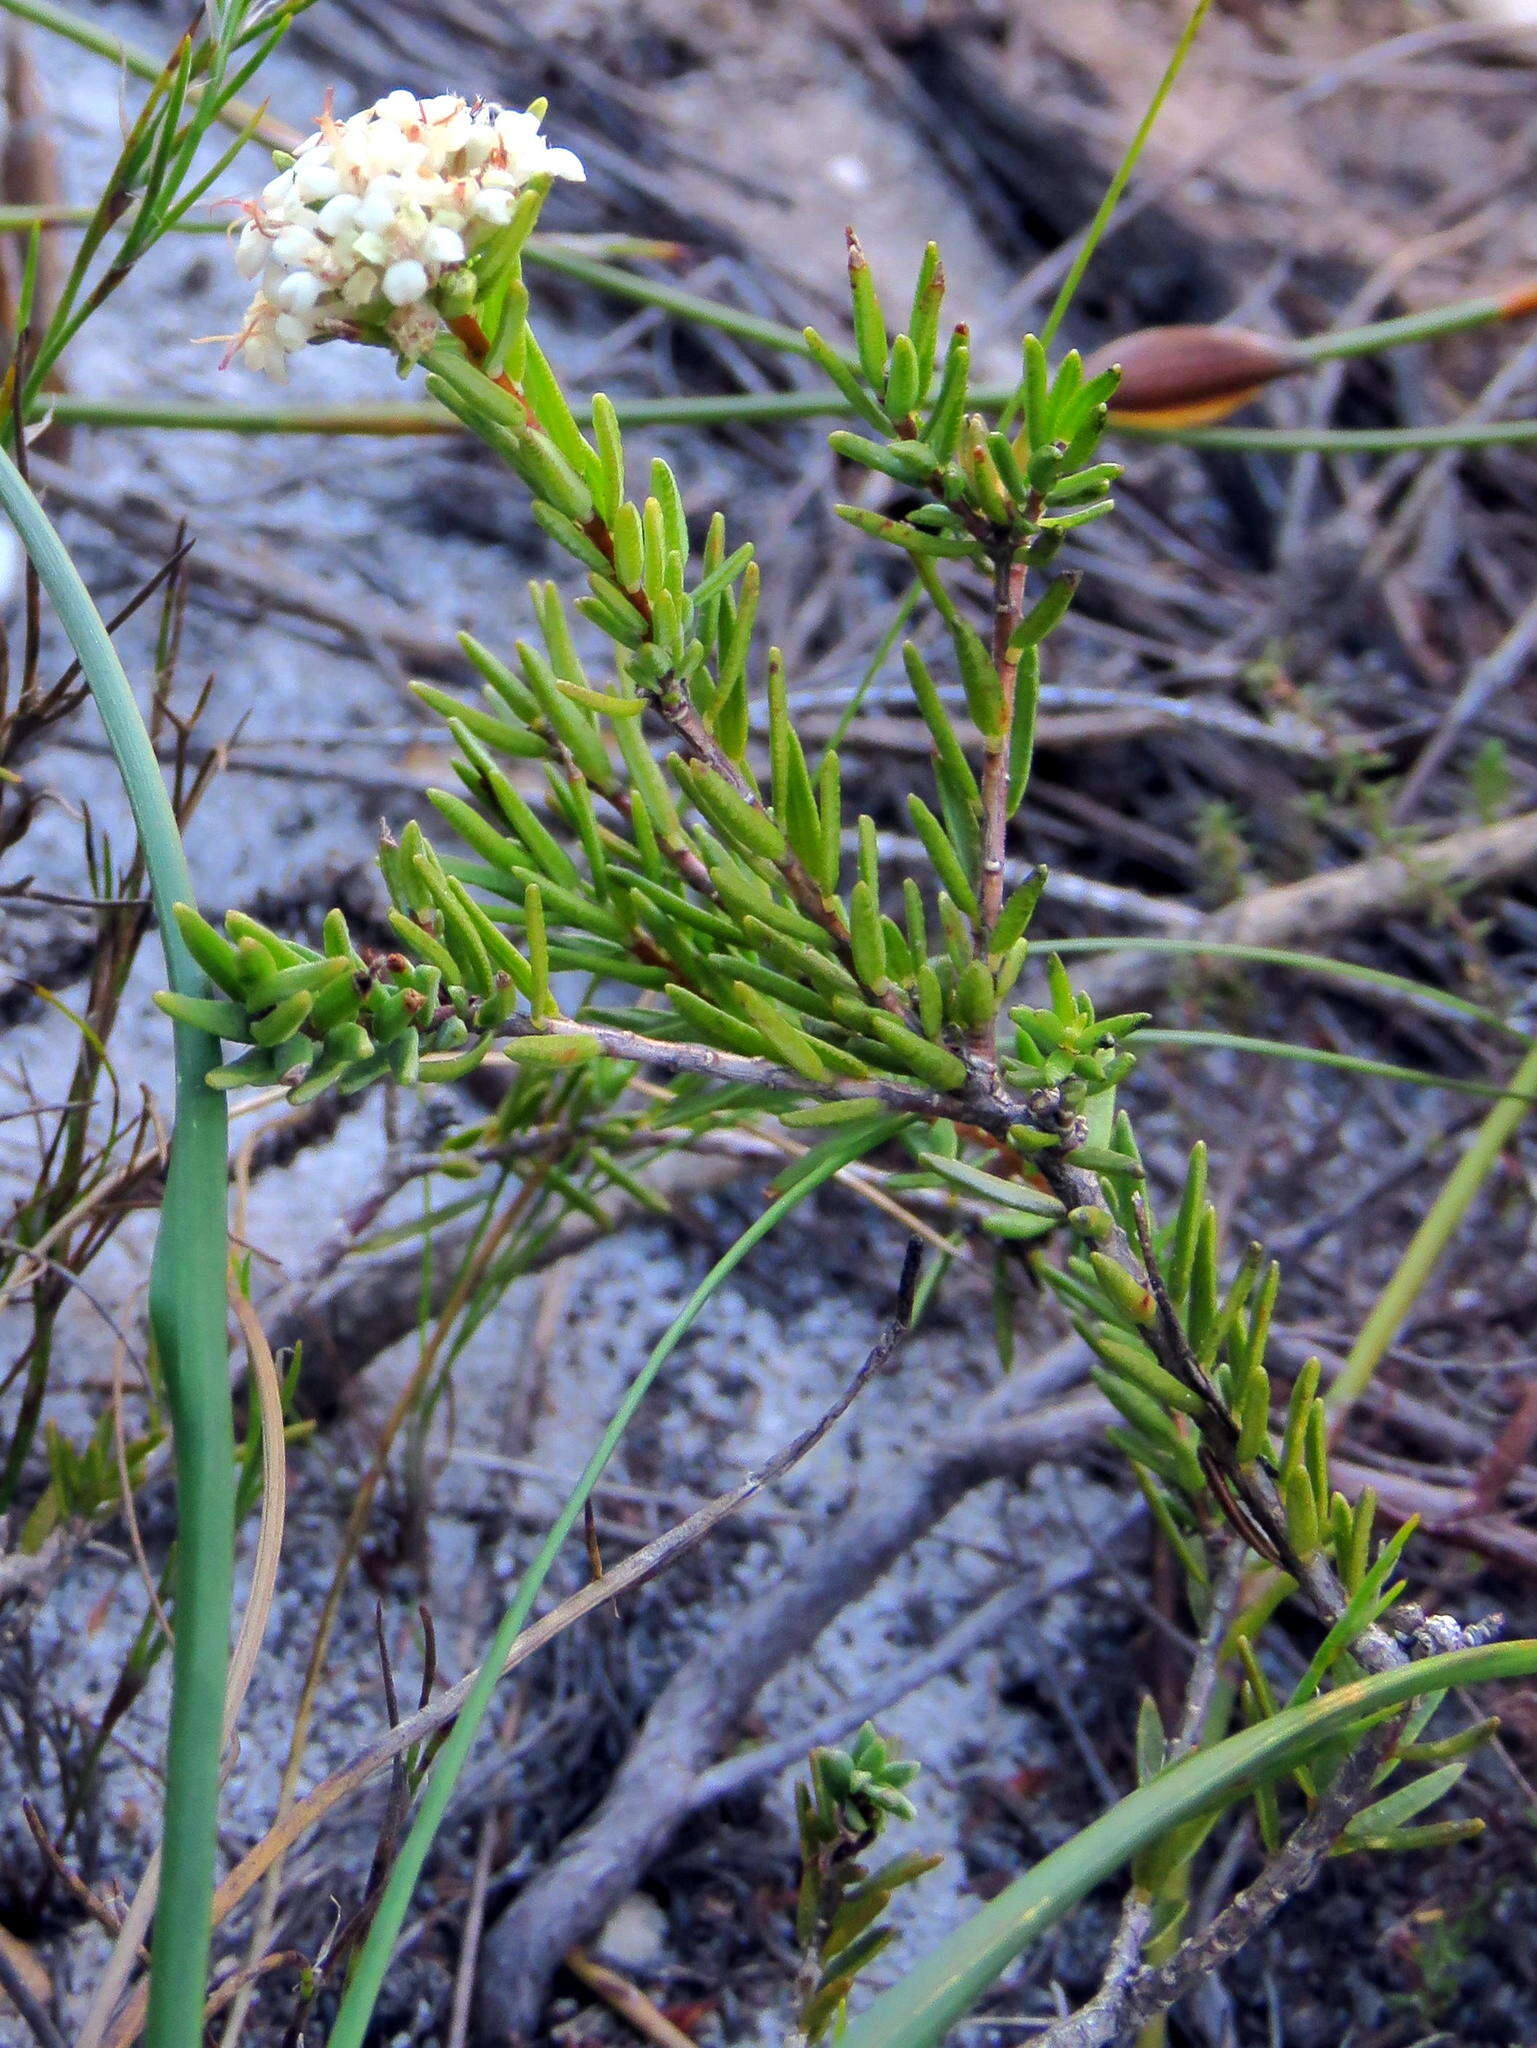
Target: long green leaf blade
920, 2009
187, 1318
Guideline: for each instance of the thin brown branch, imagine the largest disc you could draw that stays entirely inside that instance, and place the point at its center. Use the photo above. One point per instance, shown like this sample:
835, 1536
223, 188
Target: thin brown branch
750, 1767
628, 2000
96, 1908
348, 1312
1103, 2018
469, 1944
1249, 1486
26, 2002
984, 1103
1327, 905
1290, 1871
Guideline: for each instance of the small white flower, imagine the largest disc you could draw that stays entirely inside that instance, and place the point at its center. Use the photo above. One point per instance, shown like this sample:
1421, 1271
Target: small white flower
369, 230
299, 291
360, 287
413, 329
290, 332
263, 354
295, 248
316, 178
442, 246
405, 282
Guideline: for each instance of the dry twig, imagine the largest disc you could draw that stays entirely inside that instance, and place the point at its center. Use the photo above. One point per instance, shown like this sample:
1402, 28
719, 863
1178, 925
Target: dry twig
1337, 901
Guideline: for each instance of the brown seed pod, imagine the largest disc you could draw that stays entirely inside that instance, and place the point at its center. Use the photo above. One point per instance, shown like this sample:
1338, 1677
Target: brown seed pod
1186, 376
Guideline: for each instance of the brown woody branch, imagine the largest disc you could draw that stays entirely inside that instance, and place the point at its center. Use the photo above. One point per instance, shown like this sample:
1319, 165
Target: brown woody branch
1327, 905
1291, 1870
984, 1102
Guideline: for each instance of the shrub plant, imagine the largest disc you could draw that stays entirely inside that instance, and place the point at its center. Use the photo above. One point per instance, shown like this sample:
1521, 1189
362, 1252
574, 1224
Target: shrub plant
626, 882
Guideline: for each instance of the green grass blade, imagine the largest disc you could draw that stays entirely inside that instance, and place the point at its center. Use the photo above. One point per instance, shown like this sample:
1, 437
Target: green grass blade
100, 42
692, 307
1431, 1239
373, 1961
746, 408
1123, 171
1346, 1062
1468, 434
1323, 966
187, 1319
59, 21
1456, 316
918, 2010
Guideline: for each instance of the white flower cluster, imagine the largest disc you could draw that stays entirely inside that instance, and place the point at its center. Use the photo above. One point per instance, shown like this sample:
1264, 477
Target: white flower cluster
376, 215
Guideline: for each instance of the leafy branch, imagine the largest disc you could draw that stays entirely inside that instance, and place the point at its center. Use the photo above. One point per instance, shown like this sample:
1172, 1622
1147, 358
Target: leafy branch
842, 1810
639, 890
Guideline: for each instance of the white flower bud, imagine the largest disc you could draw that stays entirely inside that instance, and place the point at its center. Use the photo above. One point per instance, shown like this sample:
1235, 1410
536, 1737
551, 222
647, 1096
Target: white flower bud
299, 291
295, 248
251, 251
376, 209
316, 178
405, 282
339, 213
442, 245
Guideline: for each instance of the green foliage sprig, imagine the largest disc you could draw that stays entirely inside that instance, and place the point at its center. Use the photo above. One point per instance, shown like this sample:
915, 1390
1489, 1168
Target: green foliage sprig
843, 1808
721, 899
711, 913
641, 887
